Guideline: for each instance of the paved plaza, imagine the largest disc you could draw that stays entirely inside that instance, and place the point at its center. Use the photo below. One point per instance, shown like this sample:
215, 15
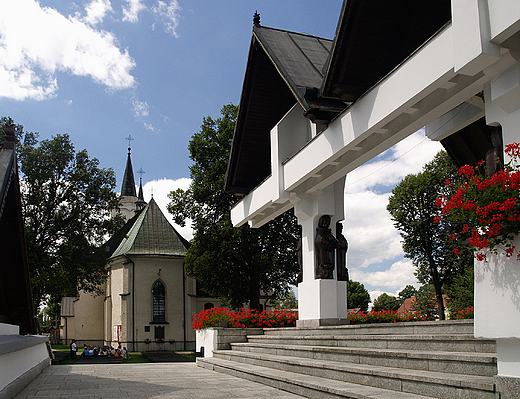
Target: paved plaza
143, 380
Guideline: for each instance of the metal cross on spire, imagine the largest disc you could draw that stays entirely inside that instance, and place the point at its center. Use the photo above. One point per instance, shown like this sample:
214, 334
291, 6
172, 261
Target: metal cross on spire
129, 138
141, 172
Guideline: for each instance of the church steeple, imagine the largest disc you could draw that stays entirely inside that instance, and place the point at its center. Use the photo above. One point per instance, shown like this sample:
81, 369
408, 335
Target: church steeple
140, 203
128, 188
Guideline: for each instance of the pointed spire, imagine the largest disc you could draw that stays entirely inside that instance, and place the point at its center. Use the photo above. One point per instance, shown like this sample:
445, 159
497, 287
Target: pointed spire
128, 188
140, 203
256, 19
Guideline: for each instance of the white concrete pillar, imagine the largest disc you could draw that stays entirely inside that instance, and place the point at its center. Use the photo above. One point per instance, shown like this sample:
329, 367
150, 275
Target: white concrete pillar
497, 301
320, 301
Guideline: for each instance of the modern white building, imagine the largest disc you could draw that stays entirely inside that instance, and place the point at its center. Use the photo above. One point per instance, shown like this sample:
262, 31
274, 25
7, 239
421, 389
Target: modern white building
312, 110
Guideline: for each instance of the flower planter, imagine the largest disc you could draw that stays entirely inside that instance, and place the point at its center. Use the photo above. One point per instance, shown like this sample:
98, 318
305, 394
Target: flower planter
219, 338
497, 313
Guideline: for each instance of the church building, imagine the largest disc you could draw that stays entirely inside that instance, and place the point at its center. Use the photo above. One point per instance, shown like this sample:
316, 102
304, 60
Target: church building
148, 300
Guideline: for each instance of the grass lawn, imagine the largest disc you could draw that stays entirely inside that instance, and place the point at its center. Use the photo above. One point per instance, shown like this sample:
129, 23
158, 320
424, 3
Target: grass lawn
58, 347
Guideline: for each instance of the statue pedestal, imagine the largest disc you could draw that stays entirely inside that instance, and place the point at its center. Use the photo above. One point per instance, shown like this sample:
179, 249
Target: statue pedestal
322, 303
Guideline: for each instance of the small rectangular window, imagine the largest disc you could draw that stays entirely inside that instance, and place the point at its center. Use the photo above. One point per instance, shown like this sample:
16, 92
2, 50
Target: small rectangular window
146, 328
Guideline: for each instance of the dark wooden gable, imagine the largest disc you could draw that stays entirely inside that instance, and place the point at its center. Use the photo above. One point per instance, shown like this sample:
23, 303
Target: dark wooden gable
16, 305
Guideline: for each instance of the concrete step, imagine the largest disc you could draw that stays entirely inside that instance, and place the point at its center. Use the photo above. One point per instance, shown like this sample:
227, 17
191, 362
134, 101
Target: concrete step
430, 342
469, 363
304, 385
421, 382
450, 327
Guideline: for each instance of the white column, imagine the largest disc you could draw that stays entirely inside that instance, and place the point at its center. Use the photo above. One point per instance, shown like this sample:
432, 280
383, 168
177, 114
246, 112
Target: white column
320, 301
497, 301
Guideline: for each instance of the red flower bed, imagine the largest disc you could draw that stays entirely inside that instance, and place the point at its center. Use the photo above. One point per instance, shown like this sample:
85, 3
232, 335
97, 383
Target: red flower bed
384, 316
469, 313
245, 318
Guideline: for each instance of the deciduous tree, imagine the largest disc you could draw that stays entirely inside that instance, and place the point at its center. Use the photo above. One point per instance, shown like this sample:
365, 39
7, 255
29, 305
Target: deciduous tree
357, 296
413, 208
386, 302
233, 264
67, 200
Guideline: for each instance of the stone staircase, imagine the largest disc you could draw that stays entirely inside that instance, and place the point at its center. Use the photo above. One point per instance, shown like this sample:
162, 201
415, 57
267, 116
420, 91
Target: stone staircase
383, 361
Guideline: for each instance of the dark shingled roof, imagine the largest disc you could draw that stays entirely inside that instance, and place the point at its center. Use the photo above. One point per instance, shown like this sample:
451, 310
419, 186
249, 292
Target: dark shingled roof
283, 68
324, 77
149, 233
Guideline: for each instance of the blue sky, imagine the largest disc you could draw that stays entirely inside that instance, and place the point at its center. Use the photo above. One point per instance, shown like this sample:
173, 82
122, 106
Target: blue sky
101, 70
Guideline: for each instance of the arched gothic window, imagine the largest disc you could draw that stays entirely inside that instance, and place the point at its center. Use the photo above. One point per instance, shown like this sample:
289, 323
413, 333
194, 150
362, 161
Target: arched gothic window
159, 302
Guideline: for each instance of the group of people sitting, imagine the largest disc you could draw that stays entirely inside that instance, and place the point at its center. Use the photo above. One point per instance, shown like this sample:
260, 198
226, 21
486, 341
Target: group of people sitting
106, 351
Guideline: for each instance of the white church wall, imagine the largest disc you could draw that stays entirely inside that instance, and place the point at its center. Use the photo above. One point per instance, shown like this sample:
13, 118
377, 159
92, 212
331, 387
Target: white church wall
88, 319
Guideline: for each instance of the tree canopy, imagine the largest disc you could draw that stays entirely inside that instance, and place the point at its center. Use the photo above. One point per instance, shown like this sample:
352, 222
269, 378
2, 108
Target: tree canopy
233, 264
67, 201
386, 302
358, 296
413, 208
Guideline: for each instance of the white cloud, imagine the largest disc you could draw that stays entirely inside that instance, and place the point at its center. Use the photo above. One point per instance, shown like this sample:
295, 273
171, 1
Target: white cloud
131, 13
398, 276
140, 108
149, 126
369, 230
373, 240
408, 156
37, 42
160, 190
96, 11
169, 11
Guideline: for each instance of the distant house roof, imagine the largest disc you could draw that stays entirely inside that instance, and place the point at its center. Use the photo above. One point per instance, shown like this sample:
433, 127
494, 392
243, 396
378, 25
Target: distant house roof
67, 306
148, 233
323, 76
16, 306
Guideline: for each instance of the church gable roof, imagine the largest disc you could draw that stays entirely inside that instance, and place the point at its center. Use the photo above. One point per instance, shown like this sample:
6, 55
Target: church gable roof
151, 234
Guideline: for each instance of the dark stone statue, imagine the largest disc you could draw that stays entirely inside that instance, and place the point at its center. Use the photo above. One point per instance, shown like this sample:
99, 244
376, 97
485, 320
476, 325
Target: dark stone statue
325, 245
341, 254
299, 278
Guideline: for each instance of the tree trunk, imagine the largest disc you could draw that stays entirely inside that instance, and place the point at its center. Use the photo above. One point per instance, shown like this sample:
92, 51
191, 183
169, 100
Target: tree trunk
438, 290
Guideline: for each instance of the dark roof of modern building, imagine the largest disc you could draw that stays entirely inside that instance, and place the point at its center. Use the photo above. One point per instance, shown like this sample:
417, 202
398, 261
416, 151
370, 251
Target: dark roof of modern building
128, 187
148, 233
323, 76
373, 37
16, 305
469, 145
283, 68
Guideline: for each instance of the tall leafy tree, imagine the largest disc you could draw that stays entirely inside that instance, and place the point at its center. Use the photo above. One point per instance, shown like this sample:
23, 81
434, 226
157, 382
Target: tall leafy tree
386, 302
427, 243
67, 200
358, 296
232, 264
